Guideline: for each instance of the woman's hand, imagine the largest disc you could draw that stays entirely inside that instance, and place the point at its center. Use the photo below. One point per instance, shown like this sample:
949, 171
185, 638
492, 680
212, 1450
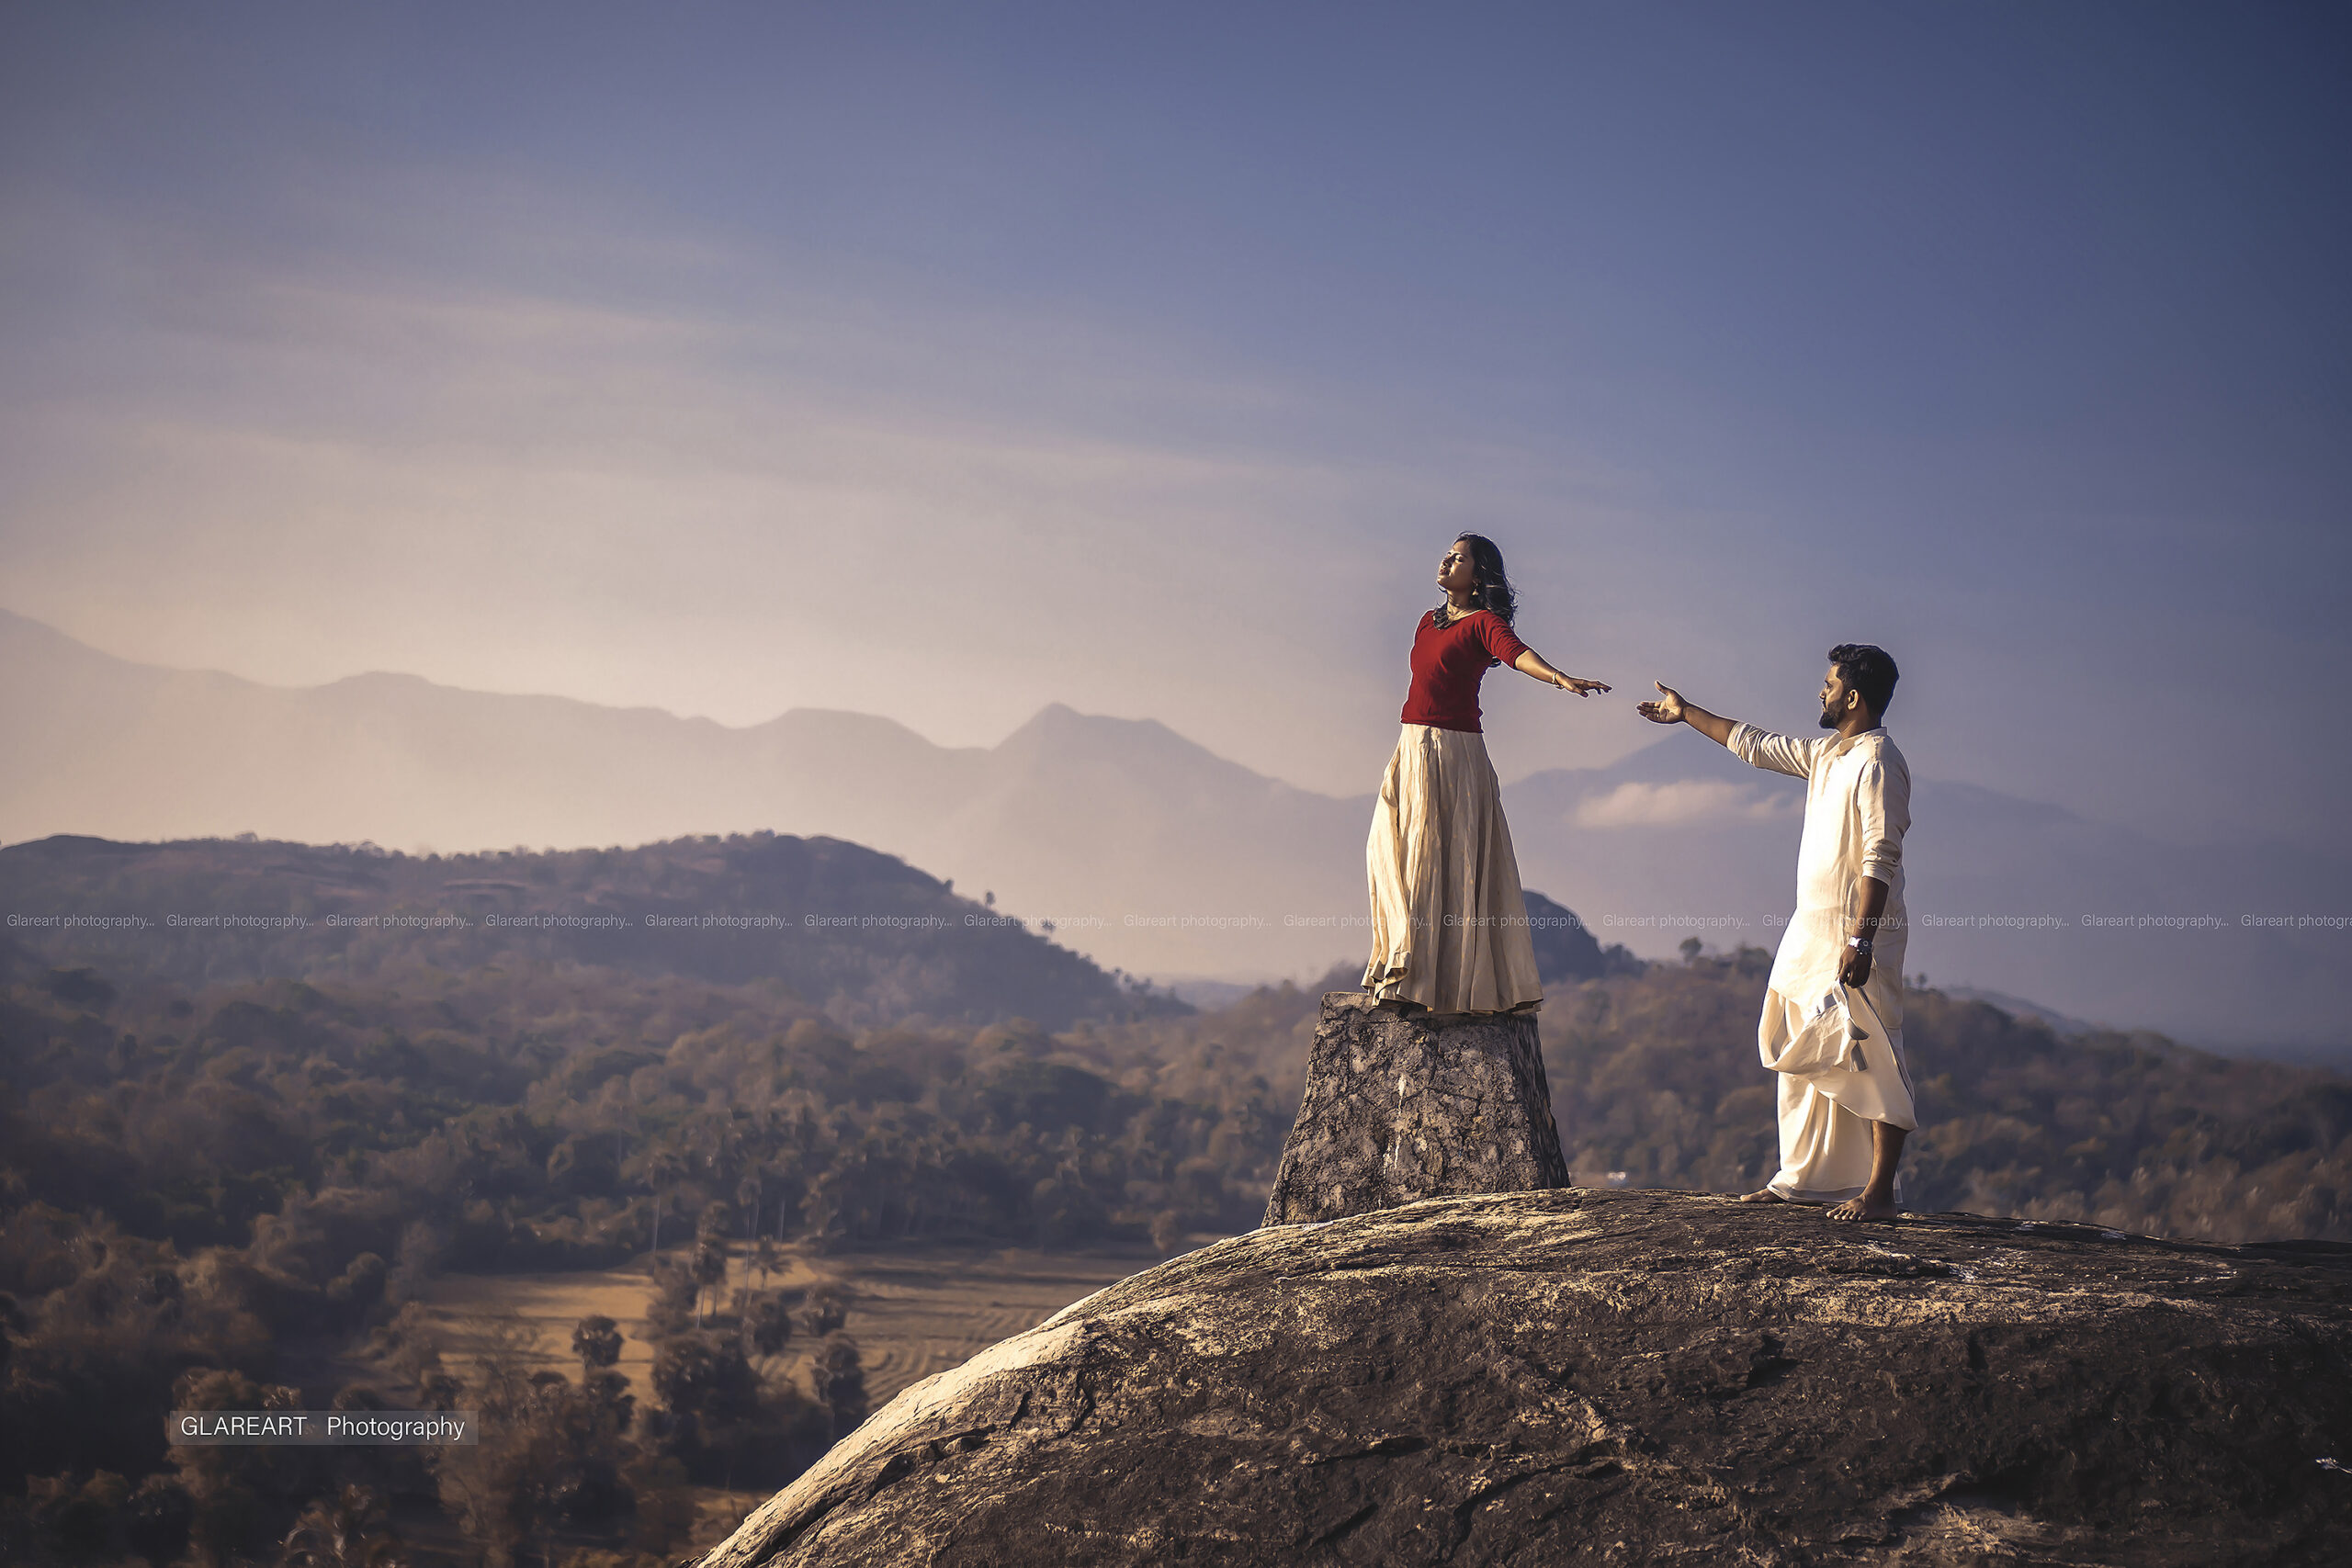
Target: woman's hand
1530, 662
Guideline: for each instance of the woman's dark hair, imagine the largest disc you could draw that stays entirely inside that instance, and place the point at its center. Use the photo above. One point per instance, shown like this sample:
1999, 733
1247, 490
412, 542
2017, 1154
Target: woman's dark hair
1493, 592
1866, 670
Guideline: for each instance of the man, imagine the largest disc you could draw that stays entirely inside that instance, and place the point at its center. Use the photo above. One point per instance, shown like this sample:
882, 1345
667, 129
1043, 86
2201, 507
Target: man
1842, 1121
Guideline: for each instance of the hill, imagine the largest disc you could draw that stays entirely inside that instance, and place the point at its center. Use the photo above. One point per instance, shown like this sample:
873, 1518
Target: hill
195, 1177
859, 933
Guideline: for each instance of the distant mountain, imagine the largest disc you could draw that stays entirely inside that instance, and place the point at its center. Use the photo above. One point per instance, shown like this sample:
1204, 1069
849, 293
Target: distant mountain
2058, 1023
1147, 851
859, 934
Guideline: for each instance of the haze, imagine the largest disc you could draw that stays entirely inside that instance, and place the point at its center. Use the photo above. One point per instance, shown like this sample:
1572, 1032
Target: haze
945, 362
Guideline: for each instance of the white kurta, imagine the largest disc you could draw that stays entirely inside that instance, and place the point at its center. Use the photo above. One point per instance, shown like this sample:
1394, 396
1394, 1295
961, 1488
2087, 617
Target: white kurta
1858, 804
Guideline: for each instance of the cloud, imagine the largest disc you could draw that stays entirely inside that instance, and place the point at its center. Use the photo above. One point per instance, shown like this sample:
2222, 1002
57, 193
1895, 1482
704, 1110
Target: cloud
1637, 804
707, 479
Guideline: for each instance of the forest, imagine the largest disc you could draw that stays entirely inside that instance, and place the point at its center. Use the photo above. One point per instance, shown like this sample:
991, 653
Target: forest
200, 1170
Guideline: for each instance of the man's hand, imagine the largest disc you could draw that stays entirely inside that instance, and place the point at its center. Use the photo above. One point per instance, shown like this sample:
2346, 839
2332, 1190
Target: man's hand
1856, 970
1668, 709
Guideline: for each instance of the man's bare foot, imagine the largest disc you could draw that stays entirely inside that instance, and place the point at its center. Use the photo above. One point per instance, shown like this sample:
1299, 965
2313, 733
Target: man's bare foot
1763, 1195
1869, 1206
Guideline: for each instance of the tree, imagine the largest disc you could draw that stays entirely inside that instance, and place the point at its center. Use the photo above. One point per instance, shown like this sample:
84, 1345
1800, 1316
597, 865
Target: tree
710, 1407
664, 1170
747, 1196
353, 1529
766, 1319
597, 1340
666, 1509
709, 1269
837, 1377
557, 1458
672, 1307
708, 1380
236, 1493
826, 1310
361, 1286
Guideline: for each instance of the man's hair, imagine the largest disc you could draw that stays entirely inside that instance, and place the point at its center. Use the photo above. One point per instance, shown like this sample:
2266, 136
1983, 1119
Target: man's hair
1867, 670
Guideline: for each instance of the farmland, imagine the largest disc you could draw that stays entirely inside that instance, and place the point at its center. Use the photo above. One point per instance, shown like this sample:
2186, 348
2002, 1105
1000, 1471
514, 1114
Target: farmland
913, 1311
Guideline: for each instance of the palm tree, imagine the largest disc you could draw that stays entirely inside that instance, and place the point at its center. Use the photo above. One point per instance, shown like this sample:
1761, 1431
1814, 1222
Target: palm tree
747, 1196
709, 1269
353, 1531
664, 1170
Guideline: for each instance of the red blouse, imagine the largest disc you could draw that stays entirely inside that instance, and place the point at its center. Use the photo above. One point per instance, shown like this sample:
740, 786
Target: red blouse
1448, 663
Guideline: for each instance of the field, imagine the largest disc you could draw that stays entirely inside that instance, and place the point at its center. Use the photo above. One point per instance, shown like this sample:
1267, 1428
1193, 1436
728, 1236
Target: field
913, 1312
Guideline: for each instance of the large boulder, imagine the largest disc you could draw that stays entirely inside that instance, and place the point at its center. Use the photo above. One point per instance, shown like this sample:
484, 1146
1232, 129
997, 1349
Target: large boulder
1579, 1376
1398, 1107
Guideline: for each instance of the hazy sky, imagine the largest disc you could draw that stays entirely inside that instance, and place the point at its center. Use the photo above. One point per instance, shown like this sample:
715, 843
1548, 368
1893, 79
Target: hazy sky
947, 361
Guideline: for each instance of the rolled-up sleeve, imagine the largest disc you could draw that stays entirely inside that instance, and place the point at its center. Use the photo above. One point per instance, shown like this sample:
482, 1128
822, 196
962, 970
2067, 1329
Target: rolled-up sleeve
1883, 800
1780, 753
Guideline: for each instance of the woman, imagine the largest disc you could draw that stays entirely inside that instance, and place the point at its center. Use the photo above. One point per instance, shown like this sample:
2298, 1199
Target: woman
1449, 925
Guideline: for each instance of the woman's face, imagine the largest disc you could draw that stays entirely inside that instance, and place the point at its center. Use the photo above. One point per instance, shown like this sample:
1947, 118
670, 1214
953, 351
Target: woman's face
1454, 573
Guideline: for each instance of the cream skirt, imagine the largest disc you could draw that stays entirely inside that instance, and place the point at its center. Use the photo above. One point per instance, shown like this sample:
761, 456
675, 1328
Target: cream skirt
1449, 924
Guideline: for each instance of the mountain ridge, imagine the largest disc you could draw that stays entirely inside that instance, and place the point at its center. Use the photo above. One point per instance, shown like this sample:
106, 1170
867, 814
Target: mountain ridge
1148, 851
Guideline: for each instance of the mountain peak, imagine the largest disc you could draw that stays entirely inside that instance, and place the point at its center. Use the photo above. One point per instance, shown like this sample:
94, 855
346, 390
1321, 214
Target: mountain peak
1061, 722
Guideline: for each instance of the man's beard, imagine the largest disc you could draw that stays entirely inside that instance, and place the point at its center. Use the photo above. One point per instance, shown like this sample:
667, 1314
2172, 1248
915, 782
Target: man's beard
1829, 718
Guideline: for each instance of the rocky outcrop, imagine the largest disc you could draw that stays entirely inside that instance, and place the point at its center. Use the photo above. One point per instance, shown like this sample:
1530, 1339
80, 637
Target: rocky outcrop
1399, 1108
1610, 1377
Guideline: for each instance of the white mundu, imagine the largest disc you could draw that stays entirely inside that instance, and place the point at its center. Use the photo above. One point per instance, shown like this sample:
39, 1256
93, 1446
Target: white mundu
1858, 803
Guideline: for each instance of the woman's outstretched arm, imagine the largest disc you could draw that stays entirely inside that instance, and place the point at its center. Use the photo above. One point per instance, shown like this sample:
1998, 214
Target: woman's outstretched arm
1530, 662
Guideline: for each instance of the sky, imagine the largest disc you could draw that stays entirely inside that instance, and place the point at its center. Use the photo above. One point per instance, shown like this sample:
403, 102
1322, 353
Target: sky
947, 361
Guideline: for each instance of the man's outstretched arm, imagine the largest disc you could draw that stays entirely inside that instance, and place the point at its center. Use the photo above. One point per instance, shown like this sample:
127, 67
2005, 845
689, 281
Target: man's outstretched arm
1669, 708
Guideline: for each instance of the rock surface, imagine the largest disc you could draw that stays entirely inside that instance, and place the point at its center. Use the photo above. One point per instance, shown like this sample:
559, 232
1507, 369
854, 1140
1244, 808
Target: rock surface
1403, 1108
1611, 1377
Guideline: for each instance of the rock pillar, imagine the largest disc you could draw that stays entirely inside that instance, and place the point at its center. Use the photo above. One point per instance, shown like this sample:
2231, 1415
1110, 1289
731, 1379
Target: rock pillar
1423, 1106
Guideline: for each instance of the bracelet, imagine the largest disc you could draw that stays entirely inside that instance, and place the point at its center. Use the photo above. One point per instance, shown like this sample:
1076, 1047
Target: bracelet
1859, 944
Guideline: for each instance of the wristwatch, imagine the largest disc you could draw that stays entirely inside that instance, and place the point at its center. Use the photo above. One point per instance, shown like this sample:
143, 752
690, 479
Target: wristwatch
1859, 944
